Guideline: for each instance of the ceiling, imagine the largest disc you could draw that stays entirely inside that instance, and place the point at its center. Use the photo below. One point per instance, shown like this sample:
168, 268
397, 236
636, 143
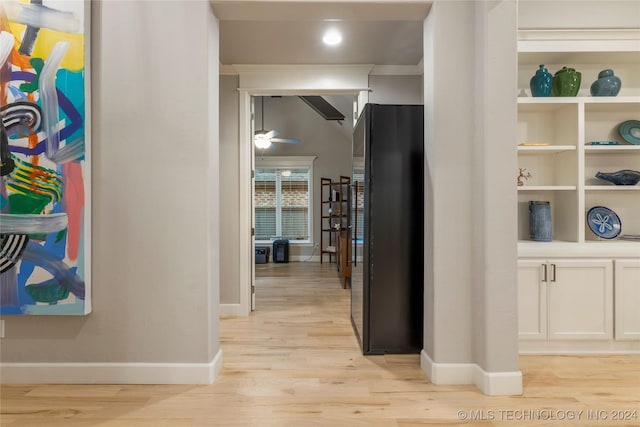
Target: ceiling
290, 32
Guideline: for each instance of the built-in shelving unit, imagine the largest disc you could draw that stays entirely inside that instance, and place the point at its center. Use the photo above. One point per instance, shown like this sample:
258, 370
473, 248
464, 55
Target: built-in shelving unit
566, 287
560, 159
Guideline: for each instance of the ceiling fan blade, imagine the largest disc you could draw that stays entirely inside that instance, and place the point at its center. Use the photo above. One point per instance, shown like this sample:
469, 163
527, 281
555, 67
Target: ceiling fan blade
286, 140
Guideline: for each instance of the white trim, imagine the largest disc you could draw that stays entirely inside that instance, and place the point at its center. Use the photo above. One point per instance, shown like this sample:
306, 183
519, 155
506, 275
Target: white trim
396, 70
292, 161
446, 373
297, 92
576, 34
579, 347
304, 258
88, 160
231, 310
228, 70
498, 383
112, 373
245, 186
295, 68
578, 40
273, 79
490, 383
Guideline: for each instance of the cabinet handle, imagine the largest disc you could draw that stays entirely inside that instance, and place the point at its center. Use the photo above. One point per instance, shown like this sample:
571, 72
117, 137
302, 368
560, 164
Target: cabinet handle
553, 272
544, 272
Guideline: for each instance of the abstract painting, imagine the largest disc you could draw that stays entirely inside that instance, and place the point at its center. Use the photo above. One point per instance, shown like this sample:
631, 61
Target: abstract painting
44, 174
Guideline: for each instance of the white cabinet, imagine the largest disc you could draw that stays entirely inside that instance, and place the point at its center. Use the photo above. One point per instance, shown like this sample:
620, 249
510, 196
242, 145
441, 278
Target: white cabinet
532, 299
565, 299
627, 305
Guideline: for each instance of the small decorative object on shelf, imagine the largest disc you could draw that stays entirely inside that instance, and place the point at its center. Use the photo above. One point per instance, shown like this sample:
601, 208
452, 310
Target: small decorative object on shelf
566, 82
535, 144
540, 221
604, 222
630, 131
603, 143
541, 83
522, 176
606, 85
621, 177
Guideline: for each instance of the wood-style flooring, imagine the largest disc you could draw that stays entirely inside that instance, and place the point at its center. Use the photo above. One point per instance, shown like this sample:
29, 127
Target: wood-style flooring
296, 362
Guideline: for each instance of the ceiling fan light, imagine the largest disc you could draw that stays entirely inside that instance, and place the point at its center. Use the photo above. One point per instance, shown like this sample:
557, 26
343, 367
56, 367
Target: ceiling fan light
262, 141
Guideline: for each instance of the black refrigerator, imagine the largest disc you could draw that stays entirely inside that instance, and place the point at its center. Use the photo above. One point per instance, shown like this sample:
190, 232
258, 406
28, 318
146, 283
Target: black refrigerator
387, 229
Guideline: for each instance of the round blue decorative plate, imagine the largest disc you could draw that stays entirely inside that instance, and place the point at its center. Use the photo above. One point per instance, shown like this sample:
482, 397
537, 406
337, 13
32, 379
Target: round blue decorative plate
604, 222
630, 131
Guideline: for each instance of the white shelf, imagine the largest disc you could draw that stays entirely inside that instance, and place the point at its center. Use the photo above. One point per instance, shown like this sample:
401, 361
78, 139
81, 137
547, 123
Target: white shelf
587, 100
602, 149
567, 124
612, 188
599, 248
545, 149
547, 188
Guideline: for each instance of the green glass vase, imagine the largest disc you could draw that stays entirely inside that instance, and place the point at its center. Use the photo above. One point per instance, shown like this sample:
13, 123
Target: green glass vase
566, 82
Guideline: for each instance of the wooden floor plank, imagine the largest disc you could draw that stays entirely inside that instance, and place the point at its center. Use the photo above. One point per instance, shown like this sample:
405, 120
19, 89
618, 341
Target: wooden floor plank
296, 362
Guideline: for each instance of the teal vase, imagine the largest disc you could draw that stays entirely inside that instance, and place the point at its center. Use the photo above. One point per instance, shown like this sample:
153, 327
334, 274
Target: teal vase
541, 83
566, 82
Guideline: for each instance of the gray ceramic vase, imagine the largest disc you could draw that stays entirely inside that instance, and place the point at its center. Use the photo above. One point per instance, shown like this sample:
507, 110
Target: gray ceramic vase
540, 221
606, 85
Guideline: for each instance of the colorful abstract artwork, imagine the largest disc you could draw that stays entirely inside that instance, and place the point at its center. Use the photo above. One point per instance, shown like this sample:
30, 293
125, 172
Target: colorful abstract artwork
44, 179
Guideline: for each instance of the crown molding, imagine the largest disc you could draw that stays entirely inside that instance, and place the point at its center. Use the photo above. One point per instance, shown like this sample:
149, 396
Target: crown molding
397, 70
374, 70
593, 40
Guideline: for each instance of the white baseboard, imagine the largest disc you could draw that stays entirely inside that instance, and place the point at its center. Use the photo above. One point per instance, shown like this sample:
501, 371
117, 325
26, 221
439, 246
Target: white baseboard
232, 310
446, 373
498, 383
490, 383
304, 258
111, 373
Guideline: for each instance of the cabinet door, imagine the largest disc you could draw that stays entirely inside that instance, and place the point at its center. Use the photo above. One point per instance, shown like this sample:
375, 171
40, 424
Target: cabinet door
532, 300
580, 299
627, 307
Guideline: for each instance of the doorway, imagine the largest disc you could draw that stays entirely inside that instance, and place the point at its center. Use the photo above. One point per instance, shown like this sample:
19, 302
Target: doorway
286, 202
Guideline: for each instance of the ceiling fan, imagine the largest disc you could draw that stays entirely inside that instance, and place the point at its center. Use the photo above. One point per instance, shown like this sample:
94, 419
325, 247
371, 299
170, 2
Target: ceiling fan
263, 139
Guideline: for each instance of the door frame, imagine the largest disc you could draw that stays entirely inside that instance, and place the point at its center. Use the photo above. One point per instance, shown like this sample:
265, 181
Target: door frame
277, 80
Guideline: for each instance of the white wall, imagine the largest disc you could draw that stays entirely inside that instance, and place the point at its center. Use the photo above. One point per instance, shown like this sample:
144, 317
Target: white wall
395, 89
229, 192
494, 221
569, 14
449, 87
470, 227
154, 191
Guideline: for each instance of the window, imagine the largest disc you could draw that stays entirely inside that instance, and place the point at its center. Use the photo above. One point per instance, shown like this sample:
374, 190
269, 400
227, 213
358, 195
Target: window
282, 201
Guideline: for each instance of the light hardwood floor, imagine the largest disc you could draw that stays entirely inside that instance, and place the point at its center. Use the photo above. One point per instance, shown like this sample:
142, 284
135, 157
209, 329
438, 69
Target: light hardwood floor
296, 362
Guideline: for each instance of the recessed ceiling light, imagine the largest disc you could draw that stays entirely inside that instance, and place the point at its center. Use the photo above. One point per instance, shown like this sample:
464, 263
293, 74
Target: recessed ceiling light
332, 38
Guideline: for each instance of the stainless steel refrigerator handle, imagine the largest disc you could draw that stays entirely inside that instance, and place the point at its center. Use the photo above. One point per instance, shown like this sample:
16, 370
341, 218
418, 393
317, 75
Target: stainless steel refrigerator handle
544, 272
